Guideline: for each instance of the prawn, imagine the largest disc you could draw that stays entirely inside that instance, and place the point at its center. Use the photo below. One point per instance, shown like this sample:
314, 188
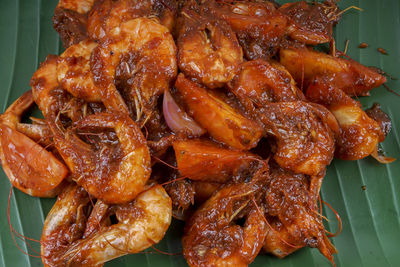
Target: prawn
68, 239
153, 57
260, 82
359, 134
73, 71
29, 167
70, 19
258, 26
350, 76
304, 133
207, 49
212, 238
311, 24
108, 14
293, 221
115, 169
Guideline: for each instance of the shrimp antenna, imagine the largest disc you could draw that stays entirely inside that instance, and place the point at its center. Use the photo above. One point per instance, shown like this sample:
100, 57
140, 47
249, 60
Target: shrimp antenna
13, 231
340, 223
390, 90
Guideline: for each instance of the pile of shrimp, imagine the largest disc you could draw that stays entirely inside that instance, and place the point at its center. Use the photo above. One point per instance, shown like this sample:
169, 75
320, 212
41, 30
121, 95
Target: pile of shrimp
220, 113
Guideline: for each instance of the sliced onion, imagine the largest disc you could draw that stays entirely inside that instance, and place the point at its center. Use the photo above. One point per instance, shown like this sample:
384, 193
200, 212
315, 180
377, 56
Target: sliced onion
380, 157
177, 120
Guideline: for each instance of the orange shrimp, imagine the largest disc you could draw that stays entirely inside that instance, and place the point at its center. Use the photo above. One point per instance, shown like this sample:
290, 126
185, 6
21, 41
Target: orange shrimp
116, 168
311, 23
213, 239
29, 167
70, 239
258, 26
73, 71
304, 134
293, 221
359, 134
153, 53
70, 19
207, 49
348, 75
260, 82
108, 14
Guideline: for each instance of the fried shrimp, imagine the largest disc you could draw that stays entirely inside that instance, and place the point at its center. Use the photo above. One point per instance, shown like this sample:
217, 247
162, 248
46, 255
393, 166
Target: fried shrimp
152, 69
359, 134
304, 134
293, 221
311, 23
260, 82
348, 75
108, 14
29, 167
114, 170
258, 26
70, 19
213, 239
141, 223
73, 71
208, 49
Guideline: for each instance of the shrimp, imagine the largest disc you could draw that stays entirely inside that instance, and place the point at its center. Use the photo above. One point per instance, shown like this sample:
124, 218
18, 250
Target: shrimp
311, 23
304, 134
294, 223
229, 126
153, 64
260, 82
108, 14
70, 19
348, 75
141, 223
212, 238
73, 71
207, 49
359, 134
115, 169
258, 26
29, 167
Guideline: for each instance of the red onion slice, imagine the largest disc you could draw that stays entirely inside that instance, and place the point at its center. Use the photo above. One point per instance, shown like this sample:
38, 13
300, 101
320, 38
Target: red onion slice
177, 120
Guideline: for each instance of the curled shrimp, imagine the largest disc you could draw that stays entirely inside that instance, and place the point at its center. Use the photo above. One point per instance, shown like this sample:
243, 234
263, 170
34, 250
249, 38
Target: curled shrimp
108, 14
115, 169
258, 26
260, 82
304, 134
73, 71
213, 239
70, 19
311, 23
208, 49
293, 220
70, 237
153, 57
29, 167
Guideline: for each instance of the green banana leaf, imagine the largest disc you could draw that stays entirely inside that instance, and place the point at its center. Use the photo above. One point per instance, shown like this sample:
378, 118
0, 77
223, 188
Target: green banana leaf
364, 193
